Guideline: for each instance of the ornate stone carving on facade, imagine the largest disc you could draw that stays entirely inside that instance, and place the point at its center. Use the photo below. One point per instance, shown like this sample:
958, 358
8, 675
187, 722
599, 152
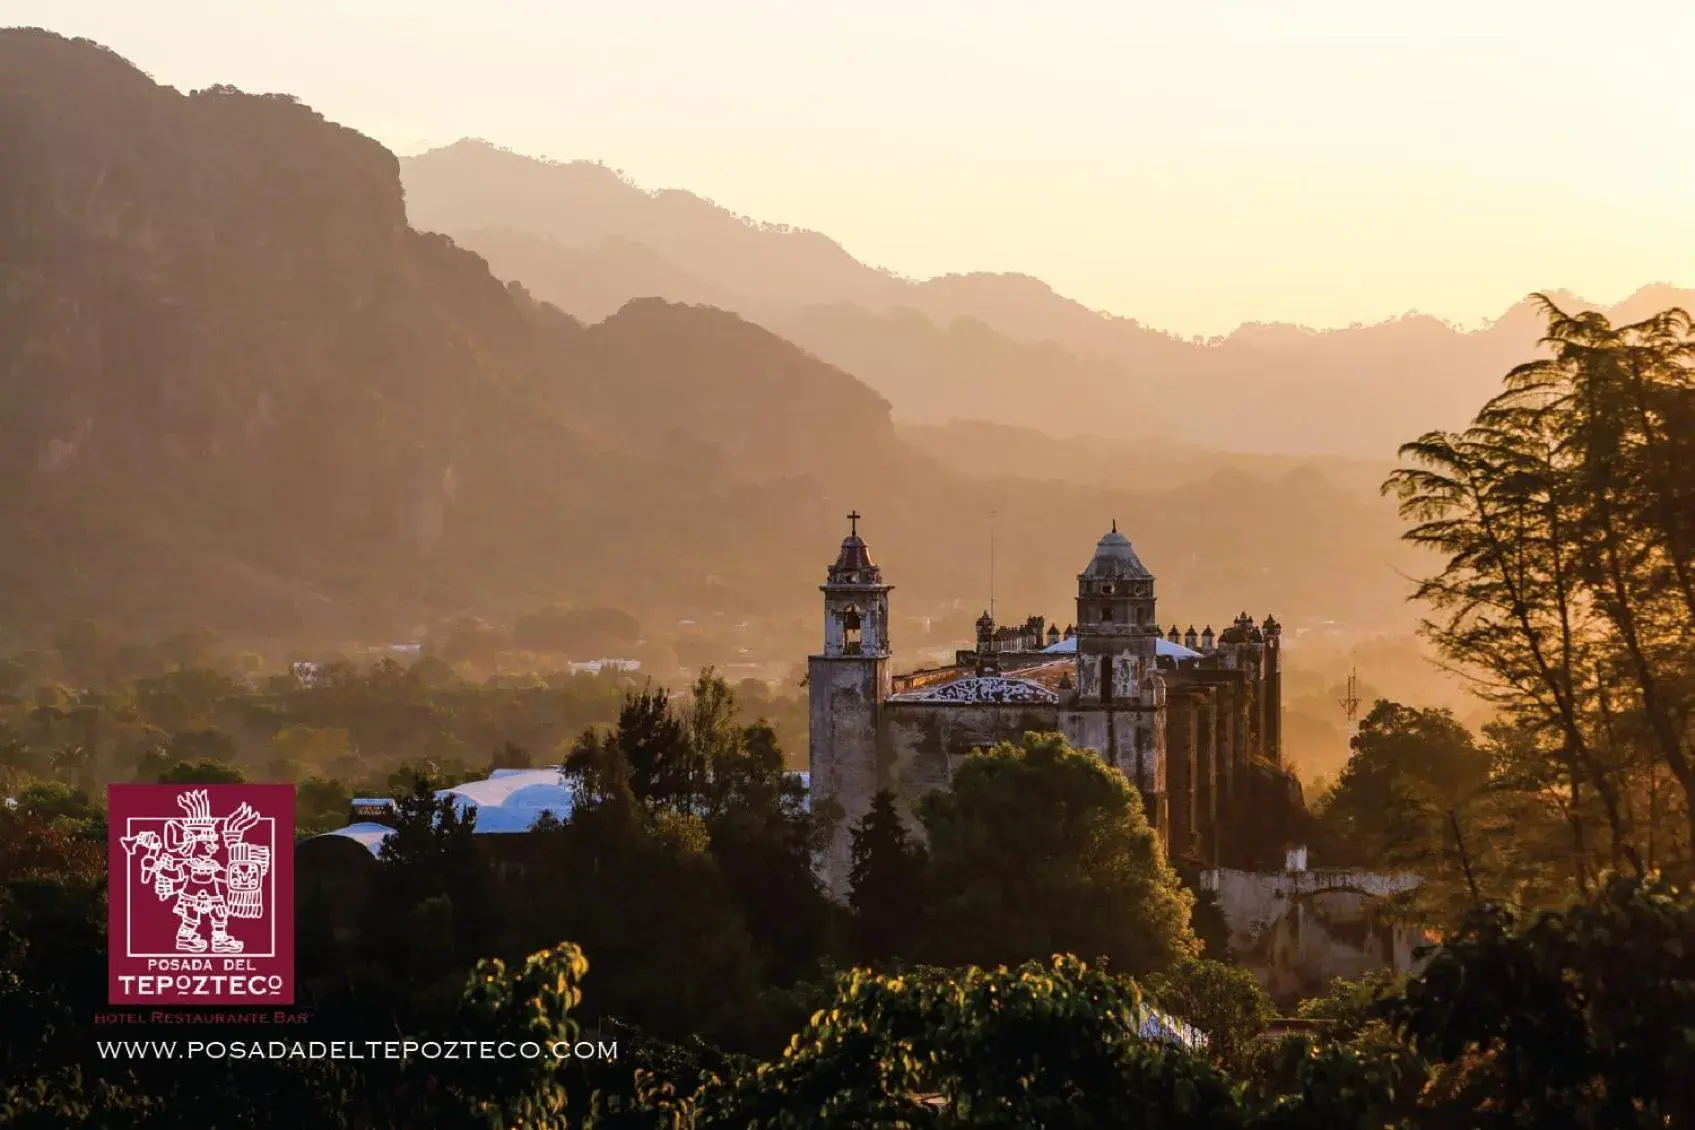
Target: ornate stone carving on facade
983, 688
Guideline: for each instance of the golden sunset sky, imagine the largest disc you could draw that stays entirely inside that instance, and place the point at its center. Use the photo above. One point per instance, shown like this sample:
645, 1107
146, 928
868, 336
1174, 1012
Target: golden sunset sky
1193, 165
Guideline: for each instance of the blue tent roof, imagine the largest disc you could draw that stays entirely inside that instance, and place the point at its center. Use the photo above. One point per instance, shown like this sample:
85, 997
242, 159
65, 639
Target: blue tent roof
1162, 646
507, 800
368, 836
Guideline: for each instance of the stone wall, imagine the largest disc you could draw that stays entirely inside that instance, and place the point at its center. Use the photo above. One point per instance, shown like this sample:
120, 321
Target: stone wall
1132, 738
926, 741
845, 699
1298, 930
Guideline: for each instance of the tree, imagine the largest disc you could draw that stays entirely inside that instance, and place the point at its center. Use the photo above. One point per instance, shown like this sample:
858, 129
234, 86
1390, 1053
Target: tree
1567, 523
1414, 796
202, 773
654, 743
74, 764
1224, 1001
14, 676
664, 770
1038, 849
887, 883
321, 805
1052, 1044
1621, 402
17, 762
433, 909
85, 647
1580, 1017
189, 649
298, 751
472, 641
433, 671
625, 882
1511, 613
202, 745
55, 800
511, 756
580, 633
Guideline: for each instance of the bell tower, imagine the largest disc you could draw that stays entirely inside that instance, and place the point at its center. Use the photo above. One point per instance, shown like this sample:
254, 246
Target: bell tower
847, 682
1117, 709
856, 602
1117, 635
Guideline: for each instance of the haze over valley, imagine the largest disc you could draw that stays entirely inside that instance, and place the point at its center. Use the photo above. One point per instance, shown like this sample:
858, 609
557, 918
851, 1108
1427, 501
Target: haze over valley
250, 388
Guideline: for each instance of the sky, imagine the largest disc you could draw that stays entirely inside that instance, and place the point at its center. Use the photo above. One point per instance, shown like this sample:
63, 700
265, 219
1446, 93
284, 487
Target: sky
1192, 165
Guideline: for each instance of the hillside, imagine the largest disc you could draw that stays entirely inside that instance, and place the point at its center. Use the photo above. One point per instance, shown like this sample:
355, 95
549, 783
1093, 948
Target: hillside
1003, 348
240, 390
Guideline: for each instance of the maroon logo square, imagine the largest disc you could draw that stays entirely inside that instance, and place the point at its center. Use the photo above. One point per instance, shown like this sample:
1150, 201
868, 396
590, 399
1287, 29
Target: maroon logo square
201, 894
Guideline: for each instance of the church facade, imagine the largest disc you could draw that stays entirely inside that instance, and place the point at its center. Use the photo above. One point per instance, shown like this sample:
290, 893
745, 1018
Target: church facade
1192, 719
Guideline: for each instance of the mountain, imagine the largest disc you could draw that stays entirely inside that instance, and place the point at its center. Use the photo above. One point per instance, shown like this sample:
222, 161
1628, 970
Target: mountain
1002, 348
934, 374
239, 388
472, 185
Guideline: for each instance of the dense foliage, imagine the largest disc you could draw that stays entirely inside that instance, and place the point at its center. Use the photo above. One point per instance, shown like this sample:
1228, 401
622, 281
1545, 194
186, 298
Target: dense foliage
1577, 1017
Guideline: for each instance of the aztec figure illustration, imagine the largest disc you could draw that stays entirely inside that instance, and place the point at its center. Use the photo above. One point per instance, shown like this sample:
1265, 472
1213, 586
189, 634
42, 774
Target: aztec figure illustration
205, 864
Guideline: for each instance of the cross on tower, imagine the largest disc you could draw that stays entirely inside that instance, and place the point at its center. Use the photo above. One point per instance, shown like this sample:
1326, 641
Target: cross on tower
854, 518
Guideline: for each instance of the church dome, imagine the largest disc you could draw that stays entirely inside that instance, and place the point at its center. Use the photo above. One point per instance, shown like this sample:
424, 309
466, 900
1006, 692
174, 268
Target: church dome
854, 566
1115, 560
854, 556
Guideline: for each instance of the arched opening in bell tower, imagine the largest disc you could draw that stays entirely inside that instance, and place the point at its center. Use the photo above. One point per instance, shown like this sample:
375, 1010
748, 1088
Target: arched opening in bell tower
851, 630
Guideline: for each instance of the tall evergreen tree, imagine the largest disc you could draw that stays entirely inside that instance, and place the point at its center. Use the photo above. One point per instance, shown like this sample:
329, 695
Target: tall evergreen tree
887, 883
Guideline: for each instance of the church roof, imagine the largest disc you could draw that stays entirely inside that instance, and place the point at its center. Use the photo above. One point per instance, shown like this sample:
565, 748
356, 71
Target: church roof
854, 556
1115, 559
1162, 647
1038, 682
853, 564
981, 688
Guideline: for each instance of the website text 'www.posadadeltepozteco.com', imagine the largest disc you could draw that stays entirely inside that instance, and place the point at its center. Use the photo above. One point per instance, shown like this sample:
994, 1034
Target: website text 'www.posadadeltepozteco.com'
357, 1049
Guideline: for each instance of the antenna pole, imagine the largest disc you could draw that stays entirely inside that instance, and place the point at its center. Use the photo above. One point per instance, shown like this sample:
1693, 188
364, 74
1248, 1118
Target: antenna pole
992, 515
1350, 704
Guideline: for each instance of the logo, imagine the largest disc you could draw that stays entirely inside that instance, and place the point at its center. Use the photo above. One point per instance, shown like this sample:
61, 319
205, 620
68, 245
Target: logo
201, 896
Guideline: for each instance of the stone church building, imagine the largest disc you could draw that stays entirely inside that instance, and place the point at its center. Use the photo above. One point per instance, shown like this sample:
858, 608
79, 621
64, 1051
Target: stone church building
1194, 720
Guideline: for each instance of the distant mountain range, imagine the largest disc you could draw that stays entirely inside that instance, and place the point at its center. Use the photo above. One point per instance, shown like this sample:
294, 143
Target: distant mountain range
998, 348
239, 388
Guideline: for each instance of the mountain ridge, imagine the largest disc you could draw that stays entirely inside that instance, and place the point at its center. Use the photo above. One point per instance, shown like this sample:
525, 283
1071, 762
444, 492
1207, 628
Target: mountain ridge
1648, 297
1266, 387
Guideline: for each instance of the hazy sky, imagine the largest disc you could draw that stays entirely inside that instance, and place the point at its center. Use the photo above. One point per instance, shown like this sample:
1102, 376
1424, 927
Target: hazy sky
1193, 165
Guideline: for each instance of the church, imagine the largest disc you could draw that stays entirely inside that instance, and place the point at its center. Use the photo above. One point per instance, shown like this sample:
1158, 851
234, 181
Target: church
1193, 720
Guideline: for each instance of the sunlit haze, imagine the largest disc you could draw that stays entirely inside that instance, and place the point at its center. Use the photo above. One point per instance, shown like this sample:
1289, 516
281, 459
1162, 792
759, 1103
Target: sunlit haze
1193, 166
